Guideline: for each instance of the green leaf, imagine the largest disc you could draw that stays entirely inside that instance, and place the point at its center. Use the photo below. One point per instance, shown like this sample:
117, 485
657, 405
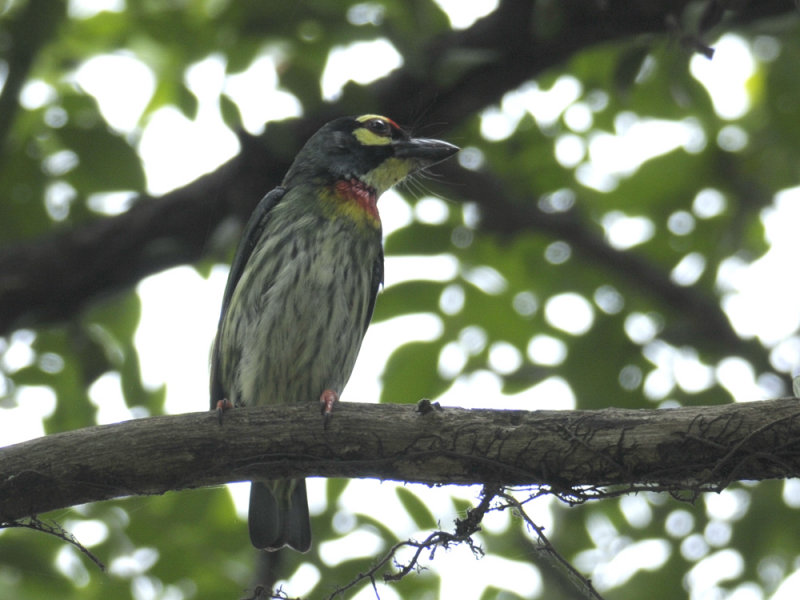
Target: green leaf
408, 297
379, 527
22, 187
334, 488
461, 506
30, 375
187, 102
411, 374
628, 67
420, 239
416, 509
230, 112
106, 160
495, 593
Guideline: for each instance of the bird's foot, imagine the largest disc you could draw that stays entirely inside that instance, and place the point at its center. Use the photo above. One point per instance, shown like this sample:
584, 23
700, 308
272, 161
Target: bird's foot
326, 401
222, 406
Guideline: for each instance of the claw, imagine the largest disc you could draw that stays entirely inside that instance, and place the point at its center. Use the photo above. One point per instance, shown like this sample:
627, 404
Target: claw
326, 401
222, 406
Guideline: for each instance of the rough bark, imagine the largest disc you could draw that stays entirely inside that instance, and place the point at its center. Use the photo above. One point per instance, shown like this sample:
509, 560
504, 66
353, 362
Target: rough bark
692, 448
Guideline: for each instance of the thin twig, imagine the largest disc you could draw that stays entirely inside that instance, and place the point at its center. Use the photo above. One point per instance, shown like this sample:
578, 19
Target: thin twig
547, 548
54, 529
464, 529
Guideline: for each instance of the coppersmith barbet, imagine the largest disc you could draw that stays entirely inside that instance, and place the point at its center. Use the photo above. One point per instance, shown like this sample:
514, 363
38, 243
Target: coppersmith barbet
302, 288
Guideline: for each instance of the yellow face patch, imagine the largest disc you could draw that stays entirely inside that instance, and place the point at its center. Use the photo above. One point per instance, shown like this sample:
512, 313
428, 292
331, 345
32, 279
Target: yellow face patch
390, 172
377, 130
368, 138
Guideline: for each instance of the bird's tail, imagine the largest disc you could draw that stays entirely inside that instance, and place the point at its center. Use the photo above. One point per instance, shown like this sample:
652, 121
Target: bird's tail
279, 515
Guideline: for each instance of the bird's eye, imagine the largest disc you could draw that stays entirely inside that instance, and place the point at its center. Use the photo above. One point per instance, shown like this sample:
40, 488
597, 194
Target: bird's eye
379, 127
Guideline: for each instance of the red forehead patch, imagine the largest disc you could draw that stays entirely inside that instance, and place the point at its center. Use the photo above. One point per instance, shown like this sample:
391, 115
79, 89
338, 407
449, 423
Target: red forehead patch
365, 118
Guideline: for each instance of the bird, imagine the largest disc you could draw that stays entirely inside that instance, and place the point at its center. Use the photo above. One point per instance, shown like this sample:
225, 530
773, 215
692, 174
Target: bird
302, 289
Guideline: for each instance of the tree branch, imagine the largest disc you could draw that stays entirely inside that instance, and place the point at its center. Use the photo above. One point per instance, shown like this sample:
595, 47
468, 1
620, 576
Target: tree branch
694, 448
53, 277
24, 36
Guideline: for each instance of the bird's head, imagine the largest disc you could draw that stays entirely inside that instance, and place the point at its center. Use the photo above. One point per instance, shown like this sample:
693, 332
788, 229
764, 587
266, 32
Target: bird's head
369, 151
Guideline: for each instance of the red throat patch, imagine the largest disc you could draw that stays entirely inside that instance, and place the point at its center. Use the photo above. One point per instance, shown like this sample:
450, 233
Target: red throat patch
356, 191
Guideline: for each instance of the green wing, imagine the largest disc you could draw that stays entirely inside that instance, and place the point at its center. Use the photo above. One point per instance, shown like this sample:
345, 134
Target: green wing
255, 226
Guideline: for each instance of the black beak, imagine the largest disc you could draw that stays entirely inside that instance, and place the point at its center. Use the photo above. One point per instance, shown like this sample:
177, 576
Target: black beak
430, 151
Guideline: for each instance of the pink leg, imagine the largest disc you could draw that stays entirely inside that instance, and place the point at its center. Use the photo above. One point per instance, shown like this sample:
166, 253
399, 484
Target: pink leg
222, 406
326, 401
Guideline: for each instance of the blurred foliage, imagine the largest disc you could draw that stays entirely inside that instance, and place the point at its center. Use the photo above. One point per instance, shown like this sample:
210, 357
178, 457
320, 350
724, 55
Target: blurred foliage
59, 151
